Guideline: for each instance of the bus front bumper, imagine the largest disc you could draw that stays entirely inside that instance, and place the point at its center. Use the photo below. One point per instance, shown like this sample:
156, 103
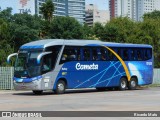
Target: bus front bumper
34, 85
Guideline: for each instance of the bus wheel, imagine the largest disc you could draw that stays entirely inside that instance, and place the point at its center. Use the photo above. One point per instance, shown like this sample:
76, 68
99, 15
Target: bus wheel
132, 84
38, 92
61, 86
123, 84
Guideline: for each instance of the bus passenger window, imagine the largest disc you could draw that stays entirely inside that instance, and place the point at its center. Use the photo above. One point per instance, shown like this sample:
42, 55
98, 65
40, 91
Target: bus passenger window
119, 52
103, 57
64, 57
139, 56
78, 54
125, 54
86, 54
46, 64
132, 53
94, 54
145, 55
103, 54
45, 67
110, 55
148, 54
72, 55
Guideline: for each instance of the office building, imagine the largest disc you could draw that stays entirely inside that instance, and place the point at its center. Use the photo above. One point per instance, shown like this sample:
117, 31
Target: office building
72, 8
133, 9
93, 15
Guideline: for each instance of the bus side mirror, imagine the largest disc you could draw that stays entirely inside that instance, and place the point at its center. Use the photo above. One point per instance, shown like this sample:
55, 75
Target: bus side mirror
41, 55
11, 55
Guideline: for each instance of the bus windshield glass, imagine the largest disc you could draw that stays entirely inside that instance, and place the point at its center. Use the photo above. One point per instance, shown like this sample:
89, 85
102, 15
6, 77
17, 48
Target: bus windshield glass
26, 64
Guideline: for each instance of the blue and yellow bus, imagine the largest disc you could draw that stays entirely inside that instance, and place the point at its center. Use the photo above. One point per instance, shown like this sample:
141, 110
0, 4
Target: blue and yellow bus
57, 64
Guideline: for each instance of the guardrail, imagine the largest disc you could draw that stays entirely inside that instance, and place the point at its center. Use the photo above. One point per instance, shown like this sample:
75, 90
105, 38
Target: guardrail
6, 77
156, 76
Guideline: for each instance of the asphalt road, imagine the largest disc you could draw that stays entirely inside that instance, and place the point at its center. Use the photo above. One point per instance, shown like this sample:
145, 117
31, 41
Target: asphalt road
143, 99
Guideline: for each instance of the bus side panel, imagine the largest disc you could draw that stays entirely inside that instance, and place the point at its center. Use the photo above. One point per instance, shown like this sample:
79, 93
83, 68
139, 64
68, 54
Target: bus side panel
49, 78
149, 72
108, 73
112, 74
91, 74
143, 70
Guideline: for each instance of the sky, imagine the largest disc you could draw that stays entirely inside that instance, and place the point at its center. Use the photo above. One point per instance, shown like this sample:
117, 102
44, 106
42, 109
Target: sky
4, 3
102, 4
19, 6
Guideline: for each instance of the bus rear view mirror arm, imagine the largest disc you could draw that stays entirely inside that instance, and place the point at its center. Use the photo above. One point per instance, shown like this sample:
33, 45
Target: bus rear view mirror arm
41, 55
11, 55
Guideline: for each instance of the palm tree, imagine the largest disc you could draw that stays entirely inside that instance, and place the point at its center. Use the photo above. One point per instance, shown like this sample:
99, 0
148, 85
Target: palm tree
47, 10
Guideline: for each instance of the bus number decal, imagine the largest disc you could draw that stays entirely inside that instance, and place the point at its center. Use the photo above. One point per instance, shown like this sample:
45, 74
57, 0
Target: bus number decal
148, 63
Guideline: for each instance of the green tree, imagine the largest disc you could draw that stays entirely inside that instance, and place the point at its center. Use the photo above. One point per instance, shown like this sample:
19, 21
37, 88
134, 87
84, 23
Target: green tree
66, 28
47, 10
6, 14
4, 32
45, 29
5, 50
24, 28
5, 47
118, 30
16, 30
98, 30
151, 29
87, 32
153, 15
110, 33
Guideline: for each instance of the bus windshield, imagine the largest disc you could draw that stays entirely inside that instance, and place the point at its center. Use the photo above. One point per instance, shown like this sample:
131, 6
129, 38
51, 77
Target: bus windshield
26, 64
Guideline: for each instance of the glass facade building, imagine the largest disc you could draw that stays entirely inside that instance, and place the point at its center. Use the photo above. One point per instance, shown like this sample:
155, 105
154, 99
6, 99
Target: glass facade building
71, 8
134, 9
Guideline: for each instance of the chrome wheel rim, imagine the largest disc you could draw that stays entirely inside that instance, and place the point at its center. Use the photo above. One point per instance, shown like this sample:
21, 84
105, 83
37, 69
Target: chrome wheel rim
60, 87
133, 83
123, 84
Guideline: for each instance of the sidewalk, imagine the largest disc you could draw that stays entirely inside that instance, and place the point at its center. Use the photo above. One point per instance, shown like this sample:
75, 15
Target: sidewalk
11, 91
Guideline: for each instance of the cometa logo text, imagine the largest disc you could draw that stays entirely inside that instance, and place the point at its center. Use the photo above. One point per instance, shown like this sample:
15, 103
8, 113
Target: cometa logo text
87, 67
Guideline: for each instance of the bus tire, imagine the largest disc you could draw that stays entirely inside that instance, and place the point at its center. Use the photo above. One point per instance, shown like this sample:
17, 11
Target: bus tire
132, 84
38, 92
123, 84
60, 87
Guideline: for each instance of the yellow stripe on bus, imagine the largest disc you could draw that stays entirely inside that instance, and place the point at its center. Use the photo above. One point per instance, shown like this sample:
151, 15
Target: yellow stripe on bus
122, 62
